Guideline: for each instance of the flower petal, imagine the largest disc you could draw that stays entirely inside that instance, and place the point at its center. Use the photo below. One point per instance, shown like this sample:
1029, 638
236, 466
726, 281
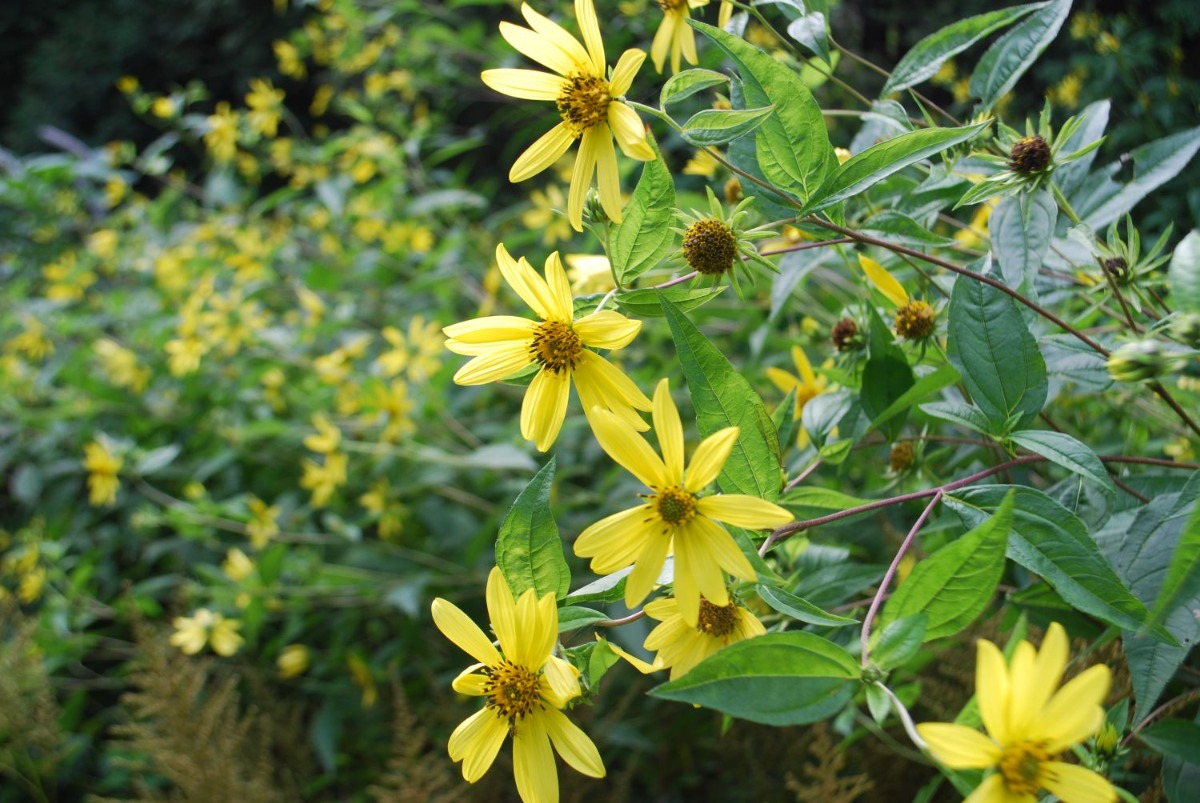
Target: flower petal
687, 585
645, 572
782, 379
533, 762
615, 541
1075, 784
1048, 668
803, 365
561, 681
627, 127
663, 39
637, 663
709, 458
524, 84
545, 408
532, 44
556, 36
608, 178
1023, 686
1074, 713
471, 681
492, 329
502, 610
573, 744
534, 630
719, 545
994, 790
589, 27
623, 74
669, 429
476, 741
607, 329
959, 747
687, 40
562, 308
992, 690
613, 386
581, 179
466, 635
496, 363
884, 281
741, 510
542, 154
629, 449
525, 282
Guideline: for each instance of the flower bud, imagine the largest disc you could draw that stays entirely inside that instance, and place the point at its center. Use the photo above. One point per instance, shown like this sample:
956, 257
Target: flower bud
1140, 361
916, 320
709, 247
1187, 328
845, 335
1029, 155
901, 456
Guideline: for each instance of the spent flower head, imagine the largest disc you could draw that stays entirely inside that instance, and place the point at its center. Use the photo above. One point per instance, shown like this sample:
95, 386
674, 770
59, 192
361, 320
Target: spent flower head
714, 243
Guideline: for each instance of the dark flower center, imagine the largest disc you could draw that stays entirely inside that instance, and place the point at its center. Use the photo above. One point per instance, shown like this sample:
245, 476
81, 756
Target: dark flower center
709, 247
556, 346
583, 102
717, 620
676, 506
512, 691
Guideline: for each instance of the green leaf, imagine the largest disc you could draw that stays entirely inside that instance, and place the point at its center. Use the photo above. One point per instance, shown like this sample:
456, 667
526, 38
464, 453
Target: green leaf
573, 617
928, 55
644, 236
687, 83
789, 678
1154, 164
718, 126
992, 348
1184, 273
964, 415
784, 419
1174, 737
924, 388
1020, 230
1071, 454
878, 703
899, 641
1183, 573
609, 588
722, 398
156, 460
882, 160
955, 584
800, 609
644, 303
793, 149
1011, 55
897, 227
528, 549
811, 501
885, 380
809, 31
1051, 541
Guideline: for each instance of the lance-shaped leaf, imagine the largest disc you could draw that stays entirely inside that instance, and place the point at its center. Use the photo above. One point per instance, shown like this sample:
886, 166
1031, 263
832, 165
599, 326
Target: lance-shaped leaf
1153, 164
528, 549
644, 236
1068, 452
1184, 273
689, 82
718, 126
1011, 55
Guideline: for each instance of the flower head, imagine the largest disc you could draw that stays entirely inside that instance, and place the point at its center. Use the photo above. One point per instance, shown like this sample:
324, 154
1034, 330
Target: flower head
102, 468
681, 646
525, 687
192, 633
674, 517
674, 34
293, 660
714, 243
1028, 724
587, 101
805, 382
503, 345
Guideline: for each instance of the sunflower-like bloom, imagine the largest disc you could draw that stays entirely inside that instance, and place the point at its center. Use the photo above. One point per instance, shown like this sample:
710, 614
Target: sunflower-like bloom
525, 687
681, 646
587, 101
503, 345
806, 384
674, 516
102, 468
1028, 724
674, 34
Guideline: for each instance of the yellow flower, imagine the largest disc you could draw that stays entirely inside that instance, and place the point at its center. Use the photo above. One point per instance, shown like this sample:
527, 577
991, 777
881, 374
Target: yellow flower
29, 590
525, 687
221, 137
674, 517
237, 566
586, 100
702, 164
807, 385
292, 661
503, 345
391, 403
1028, 724
675, 34
163, 107
324, 478
884, 281
265, 102
589, 274
327, 438
361, 674
262, 527
681, 646
419, 352
102, 468
205, 627
546, 214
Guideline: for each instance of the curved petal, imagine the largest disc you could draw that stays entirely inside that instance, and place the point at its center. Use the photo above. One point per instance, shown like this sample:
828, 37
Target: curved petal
1048, 667
476, 741
497, 363
471, 681
562, 308
608, 178
613, 386
525, 282
556, 36
709, 458
466, 635
687, 40
645, 572
545, 408
668, 632
991, 690
663, 39
607, 329
713, 540
589, 27
627, 127
748, 625
677, 42
502, 610
1075, 784
535, 632
533, 762
623, 74
687, 585
740, 510
959, 747
883, 280
669, 430
782, 379
994, 790
615, 541
1074, 713
542, 153
629, 449
561, 681
803, 365
1023, 685
524, 84
492, 329
573, 744
533, 45
724, 14
581, 180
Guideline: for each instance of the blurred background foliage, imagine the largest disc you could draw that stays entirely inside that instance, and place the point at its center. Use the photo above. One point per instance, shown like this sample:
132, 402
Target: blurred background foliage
229, 235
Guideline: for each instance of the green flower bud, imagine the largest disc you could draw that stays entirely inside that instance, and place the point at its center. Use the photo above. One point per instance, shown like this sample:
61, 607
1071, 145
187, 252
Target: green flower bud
1138, 362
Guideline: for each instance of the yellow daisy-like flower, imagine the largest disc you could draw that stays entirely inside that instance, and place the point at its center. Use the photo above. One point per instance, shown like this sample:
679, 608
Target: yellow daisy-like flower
587, 101
192, 633
1028, 724
674, 34
503, 345
674, 516
525, 687
102, 468
807, 385
681, 646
